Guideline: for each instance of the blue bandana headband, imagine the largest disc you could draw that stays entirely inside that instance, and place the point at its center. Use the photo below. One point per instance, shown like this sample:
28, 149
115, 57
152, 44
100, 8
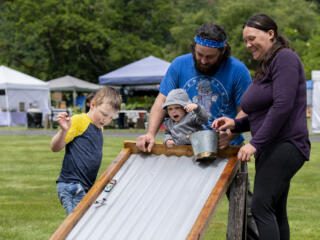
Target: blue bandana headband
209, 43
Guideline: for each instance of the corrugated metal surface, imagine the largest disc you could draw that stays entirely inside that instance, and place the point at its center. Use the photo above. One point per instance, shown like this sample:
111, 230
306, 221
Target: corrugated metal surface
156, 197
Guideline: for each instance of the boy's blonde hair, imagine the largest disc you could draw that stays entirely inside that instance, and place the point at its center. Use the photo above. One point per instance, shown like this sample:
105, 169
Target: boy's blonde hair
108, 95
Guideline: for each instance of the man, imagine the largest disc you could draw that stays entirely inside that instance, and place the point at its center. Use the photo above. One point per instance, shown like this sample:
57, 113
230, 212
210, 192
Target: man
212, 78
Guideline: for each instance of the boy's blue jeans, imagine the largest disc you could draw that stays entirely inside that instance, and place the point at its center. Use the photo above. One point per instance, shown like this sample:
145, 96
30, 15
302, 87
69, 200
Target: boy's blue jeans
70, 194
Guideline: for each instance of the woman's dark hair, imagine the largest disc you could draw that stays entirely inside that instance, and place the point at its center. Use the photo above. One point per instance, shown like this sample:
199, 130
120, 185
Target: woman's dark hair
212, 31
265, 23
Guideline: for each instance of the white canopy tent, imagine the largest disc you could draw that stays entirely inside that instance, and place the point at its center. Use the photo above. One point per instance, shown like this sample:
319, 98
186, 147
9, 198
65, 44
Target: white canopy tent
18, 93
71, 84
315, 115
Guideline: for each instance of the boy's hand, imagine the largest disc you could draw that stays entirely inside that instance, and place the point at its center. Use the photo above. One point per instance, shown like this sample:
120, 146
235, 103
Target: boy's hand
58, 140
64, 121
170, 143
190, 107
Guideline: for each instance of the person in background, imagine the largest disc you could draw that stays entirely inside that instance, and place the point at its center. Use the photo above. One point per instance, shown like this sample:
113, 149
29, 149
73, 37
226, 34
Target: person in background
88, 100
69, 100
275, 104
80, 99
82, 138
184, 118
214, 80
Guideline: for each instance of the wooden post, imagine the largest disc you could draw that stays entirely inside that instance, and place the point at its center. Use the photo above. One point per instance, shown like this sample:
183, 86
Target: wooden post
237, 219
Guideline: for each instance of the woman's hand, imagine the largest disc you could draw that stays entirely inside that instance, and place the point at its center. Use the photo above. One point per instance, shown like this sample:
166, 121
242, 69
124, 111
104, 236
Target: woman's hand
246, 152
223, 123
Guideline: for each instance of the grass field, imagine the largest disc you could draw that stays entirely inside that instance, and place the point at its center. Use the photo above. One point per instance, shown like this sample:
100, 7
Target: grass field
29, 207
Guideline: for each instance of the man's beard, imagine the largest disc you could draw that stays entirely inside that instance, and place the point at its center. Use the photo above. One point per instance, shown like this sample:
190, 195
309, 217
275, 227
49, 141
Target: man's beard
209, 69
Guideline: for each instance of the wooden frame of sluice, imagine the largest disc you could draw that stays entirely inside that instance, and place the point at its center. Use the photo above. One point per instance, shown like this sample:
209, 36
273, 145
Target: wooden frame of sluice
233, 179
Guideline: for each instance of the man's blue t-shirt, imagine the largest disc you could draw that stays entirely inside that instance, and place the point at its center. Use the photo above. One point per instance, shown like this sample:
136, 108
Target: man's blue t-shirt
219, 94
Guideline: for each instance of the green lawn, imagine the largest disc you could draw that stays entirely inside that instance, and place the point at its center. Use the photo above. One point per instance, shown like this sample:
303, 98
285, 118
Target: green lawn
29, 207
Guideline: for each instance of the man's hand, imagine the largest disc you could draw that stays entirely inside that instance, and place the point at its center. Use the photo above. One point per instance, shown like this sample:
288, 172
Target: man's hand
225, 138
170, 143
246, 152
145, 142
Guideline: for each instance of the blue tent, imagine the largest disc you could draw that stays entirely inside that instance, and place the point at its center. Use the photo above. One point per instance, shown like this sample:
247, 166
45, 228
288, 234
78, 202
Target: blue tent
309, 92
146, 71
309, 84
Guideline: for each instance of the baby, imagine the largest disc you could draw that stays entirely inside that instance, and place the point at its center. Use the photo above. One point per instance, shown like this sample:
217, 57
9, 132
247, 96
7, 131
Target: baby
184, 118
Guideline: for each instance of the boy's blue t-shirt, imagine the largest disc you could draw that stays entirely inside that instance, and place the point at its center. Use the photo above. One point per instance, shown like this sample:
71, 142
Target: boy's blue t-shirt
83, 153
219, 94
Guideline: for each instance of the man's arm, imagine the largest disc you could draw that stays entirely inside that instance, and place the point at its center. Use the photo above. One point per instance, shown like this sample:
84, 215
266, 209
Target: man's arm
156, 115
146, 142
240, 113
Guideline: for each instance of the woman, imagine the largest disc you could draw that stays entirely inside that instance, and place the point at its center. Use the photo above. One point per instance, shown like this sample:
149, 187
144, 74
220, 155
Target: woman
275, 104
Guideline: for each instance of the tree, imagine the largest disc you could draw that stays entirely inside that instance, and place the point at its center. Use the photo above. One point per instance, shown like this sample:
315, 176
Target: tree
83, 38
190, 15
140, 28
296, 19
311, 58
183, 34
87, 38
52, 38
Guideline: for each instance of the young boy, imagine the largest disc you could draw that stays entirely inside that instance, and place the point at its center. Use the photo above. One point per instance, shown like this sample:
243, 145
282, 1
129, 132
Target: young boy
82, 137
185, 118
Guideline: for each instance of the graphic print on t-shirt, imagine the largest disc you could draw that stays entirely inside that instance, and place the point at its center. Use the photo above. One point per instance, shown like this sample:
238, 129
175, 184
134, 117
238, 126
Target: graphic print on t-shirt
210, 93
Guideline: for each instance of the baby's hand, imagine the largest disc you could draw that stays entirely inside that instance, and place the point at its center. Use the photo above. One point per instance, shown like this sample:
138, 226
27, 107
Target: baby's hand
64, 121
190, 107
170, 143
